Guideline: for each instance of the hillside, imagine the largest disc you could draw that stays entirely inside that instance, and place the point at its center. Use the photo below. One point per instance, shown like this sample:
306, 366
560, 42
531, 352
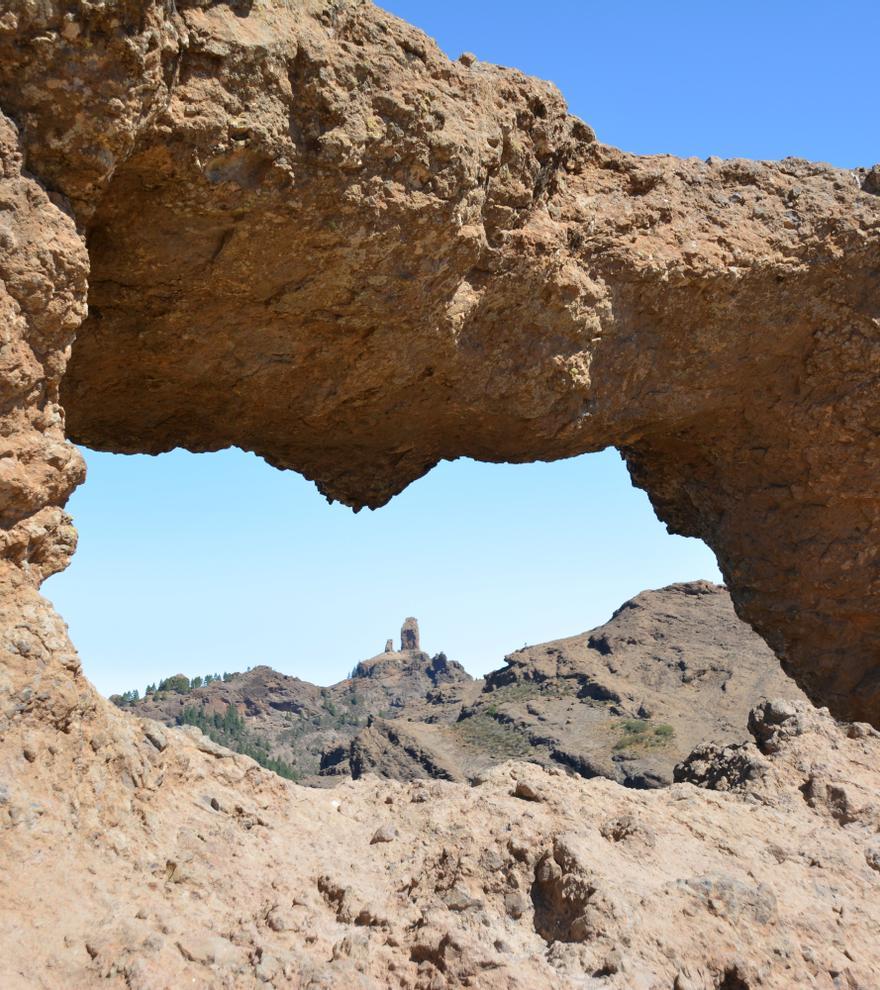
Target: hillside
671, 669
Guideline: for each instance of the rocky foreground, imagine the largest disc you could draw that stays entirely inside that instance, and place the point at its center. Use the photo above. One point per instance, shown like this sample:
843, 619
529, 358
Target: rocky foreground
141, 856
133, 855
146, 858
672, 669
297, 227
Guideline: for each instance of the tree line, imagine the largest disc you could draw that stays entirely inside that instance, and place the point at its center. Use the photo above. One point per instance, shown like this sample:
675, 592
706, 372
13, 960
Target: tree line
176, 684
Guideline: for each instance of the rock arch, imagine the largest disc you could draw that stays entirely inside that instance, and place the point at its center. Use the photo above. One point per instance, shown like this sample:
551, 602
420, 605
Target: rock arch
311, 235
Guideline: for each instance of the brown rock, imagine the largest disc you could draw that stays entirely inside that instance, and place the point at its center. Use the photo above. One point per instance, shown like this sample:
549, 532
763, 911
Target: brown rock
715, 320
527, 791
278, 920
515, 904
728, 883
409, 635
358, 258
385, 833
43, 267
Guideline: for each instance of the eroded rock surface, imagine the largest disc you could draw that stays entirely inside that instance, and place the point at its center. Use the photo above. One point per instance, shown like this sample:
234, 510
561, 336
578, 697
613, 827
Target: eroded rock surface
357, 258
43, 267
183, 864
312, 235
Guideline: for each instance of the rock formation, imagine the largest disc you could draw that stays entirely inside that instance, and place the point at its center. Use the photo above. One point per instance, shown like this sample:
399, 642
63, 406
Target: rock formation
308, 233
409, 635
357, 258
140, 857
672, 669
309, 728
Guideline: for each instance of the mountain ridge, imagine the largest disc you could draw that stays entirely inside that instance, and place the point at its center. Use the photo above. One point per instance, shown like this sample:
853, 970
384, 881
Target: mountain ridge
672, 669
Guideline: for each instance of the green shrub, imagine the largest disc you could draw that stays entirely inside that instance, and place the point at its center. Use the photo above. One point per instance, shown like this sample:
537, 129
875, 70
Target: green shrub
124, 699
499, 739
642, 733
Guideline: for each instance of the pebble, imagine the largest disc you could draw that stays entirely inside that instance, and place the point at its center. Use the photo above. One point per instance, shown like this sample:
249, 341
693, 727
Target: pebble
385, 833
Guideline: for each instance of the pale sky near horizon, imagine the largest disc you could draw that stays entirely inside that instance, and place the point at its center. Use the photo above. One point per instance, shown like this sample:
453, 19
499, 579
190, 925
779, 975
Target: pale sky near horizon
213, 562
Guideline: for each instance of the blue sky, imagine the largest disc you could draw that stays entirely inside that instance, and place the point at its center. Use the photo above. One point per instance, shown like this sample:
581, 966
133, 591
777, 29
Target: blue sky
752, 79
203, 563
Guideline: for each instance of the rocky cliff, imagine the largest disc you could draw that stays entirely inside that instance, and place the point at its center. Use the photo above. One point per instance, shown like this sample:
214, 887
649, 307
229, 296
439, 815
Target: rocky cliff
300, 229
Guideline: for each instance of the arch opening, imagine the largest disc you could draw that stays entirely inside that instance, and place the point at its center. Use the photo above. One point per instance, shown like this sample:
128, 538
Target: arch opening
357, 290
193, 562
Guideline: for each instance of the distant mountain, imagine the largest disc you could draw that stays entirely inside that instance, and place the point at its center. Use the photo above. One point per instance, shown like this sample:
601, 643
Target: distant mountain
671, 669
306, 727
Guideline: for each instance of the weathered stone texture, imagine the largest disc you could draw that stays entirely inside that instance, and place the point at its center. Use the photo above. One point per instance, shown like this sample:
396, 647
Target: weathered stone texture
131, 865
313, 236
43, 268
357, 258
409, 634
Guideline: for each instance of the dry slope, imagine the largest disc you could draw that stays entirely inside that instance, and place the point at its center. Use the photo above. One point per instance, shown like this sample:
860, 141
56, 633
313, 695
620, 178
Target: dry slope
672, 669
146, 858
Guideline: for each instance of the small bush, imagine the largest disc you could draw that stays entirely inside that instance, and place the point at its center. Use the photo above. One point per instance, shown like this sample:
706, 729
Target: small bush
642, 733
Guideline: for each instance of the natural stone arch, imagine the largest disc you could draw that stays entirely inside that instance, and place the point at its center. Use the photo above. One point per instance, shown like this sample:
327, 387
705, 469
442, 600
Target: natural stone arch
357, 258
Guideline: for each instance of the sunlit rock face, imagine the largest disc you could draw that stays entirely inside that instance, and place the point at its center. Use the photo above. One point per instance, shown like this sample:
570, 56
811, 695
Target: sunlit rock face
43, 266
313, 236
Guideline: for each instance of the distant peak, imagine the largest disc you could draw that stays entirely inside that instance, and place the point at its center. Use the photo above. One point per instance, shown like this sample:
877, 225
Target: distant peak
409, 635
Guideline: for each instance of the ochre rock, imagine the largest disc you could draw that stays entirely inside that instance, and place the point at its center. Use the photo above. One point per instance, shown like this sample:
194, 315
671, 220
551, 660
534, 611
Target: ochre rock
315, 237
43, 267
136, 861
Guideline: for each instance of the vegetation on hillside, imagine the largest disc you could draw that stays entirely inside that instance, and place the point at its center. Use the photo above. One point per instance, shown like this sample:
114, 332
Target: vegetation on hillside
177, 684
642, 733
500, 739
126, 698
229, 730
335, 717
